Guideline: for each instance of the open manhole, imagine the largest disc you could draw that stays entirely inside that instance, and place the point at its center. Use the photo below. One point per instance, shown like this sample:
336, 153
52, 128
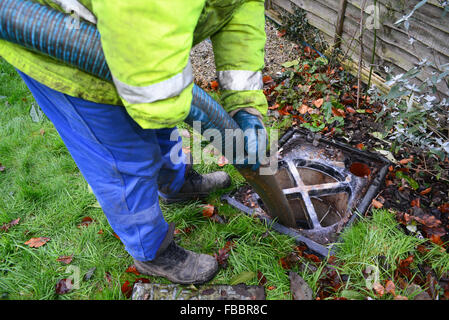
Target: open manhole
325, 183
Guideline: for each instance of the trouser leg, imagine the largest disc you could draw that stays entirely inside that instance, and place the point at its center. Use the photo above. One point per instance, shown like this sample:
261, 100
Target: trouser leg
120, 161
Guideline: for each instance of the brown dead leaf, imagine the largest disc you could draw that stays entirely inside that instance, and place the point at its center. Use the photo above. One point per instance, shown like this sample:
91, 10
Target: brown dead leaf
64, 286
400, 298
281, 33
37, 242
426, 191
350, 110
5, 227
444, 208
390, 287
405, 161
85, 222
274, 106
214, 85
133, 269
208, 210
377, 204
267, 79
127, 289
379, 289
303, 109
318, 103
360, 146
428, 221
416, 203
261, 278
65, 259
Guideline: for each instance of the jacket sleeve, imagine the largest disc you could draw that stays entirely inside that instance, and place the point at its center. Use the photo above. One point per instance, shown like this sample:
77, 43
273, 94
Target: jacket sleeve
147, 46
239, 58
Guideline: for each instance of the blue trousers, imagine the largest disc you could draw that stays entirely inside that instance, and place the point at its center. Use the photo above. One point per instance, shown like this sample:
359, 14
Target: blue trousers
124, 164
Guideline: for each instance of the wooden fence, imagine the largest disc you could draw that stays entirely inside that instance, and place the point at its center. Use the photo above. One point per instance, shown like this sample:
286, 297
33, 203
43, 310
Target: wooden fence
339, 23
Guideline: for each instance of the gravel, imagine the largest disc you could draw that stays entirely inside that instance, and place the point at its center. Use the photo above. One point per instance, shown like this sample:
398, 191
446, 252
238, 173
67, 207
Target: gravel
277, 51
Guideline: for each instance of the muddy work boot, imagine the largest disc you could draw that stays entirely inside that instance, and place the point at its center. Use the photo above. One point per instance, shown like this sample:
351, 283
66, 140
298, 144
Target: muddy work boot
197, 186
180, 266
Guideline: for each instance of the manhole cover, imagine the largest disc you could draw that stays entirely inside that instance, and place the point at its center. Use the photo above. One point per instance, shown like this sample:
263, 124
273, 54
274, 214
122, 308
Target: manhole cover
324, 181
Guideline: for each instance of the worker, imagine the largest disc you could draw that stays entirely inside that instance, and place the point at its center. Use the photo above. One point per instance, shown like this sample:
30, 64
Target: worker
120, 134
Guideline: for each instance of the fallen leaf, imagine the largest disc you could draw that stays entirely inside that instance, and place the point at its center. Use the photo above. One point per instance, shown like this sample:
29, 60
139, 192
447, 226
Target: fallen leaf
338, 112
5, 227
422, 249
303, 109
428, 221
261, 278
318, 103
132, 269
65, 259
267, 79
142, 280
436, 239
85, 222
400, 298
350, 110
390, 287
274, 107
425, 191
214, 85
64, 286
281, 33
405, 161
223, 254
208, 210
360, 146
444, 208
37, 242
127, 289
415, 203
312, 257
377, 204
404, 263
379, 289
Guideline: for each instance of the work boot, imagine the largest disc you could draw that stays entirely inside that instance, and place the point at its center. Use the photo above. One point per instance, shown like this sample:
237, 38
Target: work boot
197, 186
180, 266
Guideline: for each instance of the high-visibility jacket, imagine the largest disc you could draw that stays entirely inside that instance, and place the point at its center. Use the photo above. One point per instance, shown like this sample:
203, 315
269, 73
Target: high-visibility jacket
147, 46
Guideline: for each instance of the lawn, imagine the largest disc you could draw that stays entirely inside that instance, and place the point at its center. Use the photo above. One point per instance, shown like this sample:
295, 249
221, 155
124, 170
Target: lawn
41, 185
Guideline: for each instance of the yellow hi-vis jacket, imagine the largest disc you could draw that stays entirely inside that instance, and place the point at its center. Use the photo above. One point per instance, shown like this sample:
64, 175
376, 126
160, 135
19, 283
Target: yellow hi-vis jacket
147, 46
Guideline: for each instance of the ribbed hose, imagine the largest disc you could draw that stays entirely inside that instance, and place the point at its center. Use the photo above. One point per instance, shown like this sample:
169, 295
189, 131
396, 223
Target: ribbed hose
48, 31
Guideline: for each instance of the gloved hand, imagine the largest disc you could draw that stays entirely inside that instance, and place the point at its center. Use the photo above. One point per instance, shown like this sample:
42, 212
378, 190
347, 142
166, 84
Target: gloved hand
255, 137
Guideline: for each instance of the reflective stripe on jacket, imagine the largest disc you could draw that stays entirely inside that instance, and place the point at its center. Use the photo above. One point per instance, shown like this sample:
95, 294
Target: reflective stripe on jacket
147, 45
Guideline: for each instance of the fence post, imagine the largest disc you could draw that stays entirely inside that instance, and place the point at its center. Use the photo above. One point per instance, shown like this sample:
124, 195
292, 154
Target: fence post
340, 23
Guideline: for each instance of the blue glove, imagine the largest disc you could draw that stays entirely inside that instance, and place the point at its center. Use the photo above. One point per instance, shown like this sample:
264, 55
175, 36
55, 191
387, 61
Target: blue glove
255, 137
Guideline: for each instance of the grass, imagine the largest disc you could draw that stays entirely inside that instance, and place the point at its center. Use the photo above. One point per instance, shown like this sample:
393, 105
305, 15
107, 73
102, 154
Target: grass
43, 187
